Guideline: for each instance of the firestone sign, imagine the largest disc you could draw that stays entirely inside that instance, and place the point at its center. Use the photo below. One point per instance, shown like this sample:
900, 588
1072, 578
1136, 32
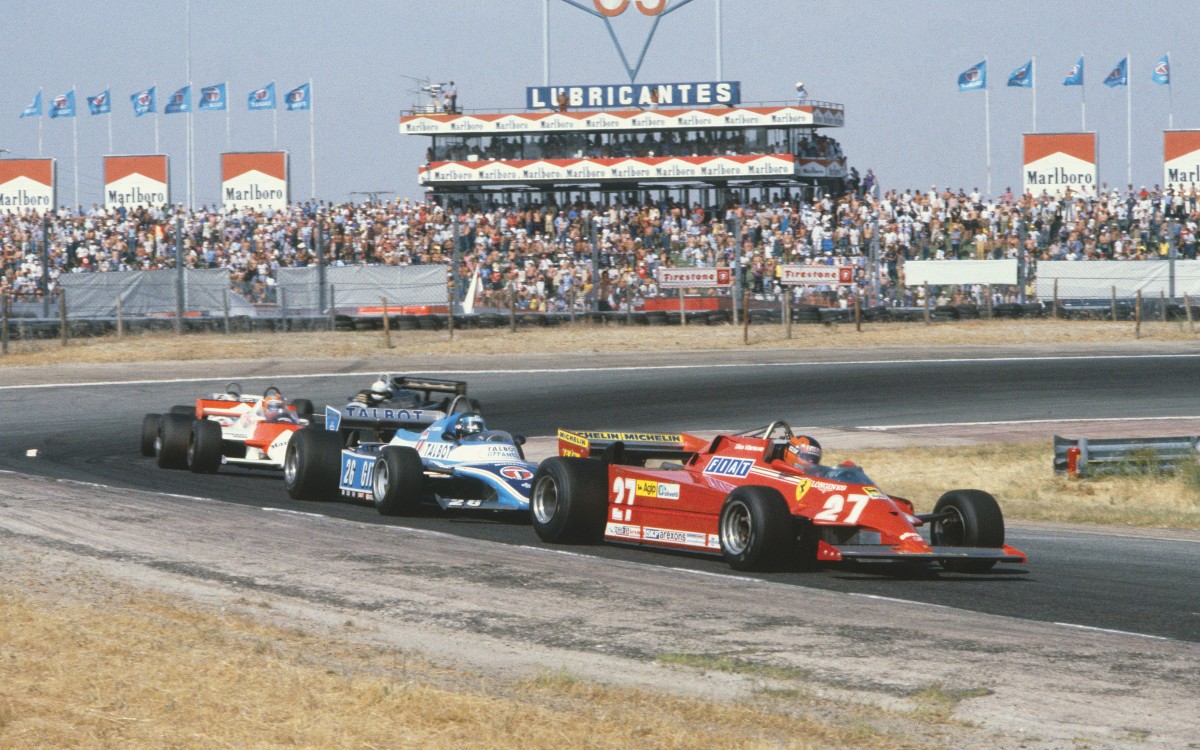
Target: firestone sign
679, 278
816, 275
1056, 163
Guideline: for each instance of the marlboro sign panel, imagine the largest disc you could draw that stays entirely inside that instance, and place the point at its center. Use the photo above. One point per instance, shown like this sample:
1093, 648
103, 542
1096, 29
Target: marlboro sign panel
26, 185
1058, 162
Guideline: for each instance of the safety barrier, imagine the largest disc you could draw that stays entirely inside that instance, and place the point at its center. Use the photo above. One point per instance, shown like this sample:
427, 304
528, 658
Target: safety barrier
1082, 457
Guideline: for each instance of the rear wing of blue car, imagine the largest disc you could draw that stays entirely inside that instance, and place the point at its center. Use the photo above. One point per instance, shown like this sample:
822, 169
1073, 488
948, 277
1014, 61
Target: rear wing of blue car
429, 386
359, 417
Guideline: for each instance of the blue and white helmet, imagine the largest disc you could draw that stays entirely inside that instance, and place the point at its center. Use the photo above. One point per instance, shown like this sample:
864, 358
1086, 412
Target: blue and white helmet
468, 424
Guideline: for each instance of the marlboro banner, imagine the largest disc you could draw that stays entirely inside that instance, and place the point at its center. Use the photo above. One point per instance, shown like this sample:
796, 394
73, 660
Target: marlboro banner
679, 278
1058, 162
27, 185
257, 179
816, 275
1181, 159
136, 181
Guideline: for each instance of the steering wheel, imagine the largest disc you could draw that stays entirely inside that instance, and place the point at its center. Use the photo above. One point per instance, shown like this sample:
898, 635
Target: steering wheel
780, 426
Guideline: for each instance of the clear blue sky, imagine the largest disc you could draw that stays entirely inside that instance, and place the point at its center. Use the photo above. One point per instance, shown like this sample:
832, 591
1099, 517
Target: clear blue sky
892, 64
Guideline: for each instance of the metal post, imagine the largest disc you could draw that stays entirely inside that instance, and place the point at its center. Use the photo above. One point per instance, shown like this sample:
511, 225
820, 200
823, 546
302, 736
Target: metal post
4, 323
225, 308
737, 287
387, 328
45, 263
120, 318
595, 276
745, 317
1054, 312
179, 275
787, 311
1137, 317
454, 275
571, 305
1187, 308
1114, 303
1162, 305
629, 305
450, 309
512, 306
682, 308
62, 315
332, 307
283, 311
857, 313
319, 242
927, 304
989, 302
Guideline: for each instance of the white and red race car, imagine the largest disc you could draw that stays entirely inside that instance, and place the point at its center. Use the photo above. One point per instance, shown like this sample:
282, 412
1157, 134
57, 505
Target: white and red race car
225, 428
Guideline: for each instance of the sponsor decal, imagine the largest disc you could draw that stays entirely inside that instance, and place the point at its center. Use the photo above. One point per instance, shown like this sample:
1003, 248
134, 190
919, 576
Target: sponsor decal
433, 450
333, 419
356, 473
802, 487
914, 536
572, 438
714, 541
628, 437
728, 467
873, 492
668, 491
828, 486
647, 488
754, 448
518, 473
502, 451
674, 536
624, 531
567, 452
673, 278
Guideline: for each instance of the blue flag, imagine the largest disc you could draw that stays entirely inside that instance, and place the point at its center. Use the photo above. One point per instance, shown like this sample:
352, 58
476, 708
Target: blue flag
263, 98
299, 97
1162, 71
143, 102
180, 101
1075, 74
974, 77
100, 104
1119, 75
1022, 76
213, 98
35, 107
63, 105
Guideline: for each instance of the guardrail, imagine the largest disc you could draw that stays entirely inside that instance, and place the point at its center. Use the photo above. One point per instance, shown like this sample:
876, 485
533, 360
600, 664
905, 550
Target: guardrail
1082, 457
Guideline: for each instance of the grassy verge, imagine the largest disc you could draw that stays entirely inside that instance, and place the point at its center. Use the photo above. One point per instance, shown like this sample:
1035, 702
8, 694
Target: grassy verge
1022, 479
133, 670
584, 337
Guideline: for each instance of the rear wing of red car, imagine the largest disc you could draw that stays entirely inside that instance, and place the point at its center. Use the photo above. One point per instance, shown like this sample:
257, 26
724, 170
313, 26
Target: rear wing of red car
630, 448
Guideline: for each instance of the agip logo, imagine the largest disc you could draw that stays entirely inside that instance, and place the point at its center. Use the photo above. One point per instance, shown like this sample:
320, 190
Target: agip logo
607, 10
614, 8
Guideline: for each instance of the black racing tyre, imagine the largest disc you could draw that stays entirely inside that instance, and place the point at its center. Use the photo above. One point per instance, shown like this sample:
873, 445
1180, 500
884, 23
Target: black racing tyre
569, 501
974, 520
183, 409
756, 529
204, 447
173, 437
398, 483
150, 428
304, 407
312, 464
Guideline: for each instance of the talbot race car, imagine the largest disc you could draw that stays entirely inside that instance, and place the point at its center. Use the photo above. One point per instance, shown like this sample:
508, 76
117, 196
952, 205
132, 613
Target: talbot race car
396, 401
226, 427
455, 461
736, 496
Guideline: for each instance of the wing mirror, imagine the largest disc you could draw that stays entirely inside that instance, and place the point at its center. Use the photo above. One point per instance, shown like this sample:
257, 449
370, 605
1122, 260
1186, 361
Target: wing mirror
519, 439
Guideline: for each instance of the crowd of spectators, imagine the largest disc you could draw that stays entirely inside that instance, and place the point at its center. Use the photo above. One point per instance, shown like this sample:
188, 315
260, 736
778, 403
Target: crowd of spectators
608, 254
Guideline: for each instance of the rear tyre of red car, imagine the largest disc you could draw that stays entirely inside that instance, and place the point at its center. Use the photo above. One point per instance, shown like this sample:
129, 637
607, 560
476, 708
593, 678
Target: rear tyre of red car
204, 447
173, 439
756, 529
398, 482
312, 463
150, 427
569, 501
974, 520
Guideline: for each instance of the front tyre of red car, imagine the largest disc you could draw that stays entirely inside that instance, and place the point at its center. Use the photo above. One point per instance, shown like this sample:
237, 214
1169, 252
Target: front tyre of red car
756, 529
569, 501
973, 519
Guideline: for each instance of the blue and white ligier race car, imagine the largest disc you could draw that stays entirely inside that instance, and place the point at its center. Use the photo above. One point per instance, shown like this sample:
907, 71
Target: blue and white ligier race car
455, 461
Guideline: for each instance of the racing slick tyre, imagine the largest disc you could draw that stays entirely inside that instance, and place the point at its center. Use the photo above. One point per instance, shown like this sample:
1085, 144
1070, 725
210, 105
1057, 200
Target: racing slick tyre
312, 463
974, 520
304, 407
150, 428
204, 447
569, 501
183, 409
173, 437
756, 529
398, 482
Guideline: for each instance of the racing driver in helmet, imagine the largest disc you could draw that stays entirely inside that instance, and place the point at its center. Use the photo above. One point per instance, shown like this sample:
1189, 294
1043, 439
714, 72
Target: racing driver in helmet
467, 425
802, 451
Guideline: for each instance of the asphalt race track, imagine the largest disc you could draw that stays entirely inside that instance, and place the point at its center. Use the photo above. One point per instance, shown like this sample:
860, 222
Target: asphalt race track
1137, 582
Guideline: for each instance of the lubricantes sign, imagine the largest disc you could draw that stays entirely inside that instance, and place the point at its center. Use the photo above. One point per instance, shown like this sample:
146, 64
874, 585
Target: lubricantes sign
1059, 162
1181, 159
254, 179
27, 185
136, 181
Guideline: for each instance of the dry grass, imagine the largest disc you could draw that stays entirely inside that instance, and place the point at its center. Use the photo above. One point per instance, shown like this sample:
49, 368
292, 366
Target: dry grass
133, 670
1022, 479
583, 337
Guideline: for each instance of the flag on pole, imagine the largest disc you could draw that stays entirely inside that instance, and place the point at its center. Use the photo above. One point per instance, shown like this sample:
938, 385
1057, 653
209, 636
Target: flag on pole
974, 77
63, 105
1075, 74
143, 102
35, 107
1022, 76
100, 104
263, 98
180, 101
1162, 71
212, 98
299, 98
1119, 75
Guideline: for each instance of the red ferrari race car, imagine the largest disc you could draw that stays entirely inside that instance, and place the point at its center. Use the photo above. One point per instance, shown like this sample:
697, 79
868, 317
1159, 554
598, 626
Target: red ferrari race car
761, 499
226, 427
